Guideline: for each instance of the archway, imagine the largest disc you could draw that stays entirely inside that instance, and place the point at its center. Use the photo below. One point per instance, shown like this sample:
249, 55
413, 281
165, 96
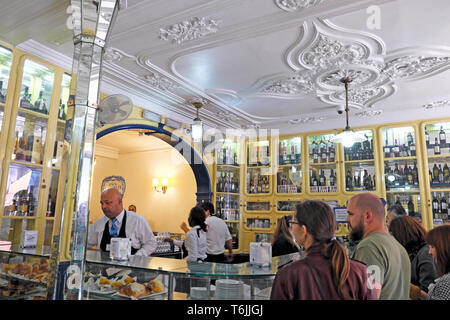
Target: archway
192, 157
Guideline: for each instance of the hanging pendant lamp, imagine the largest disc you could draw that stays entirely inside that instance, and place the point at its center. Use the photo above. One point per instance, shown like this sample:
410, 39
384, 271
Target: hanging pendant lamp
197, 125
347, 137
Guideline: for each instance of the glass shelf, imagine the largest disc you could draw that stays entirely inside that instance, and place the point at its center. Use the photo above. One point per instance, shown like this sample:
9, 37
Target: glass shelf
287, 206
289, 151
360, 176
361, 151
228, 179
289, 179
258, 153
36, 89
322, 164
229, 153
401, 175
31, 131
399, 142
258, 180
22, 190
257, 206
258, 223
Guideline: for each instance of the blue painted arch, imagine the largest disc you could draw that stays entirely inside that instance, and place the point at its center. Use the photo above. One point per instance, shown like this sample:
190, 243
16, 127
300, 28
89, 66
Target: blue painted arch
192, 157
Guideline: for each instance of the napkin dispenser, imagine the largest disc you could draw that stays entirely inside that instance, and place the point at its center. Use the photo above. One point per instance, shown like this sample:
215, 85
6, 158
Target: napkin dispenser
260, 254
120, 248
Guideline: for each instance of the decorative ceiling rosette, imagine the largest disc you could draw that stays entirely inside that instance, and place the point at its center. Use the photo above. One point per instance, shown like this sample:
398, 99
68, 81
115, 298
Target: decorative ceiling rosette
187, 30
415, 67
296, 5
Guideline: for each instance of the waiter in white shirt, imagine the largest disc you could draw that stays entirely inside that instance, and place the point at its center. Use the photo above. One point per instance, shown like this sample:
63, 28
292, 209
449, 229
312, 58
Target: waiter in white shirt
120, 223
218, 236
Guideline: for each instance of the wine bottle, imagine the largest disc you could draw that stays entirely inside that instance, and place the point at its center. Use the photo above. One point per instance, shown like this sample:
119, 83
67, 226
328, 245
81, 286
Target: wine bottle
396, 149
322, 179
435, 173
437, 147
412, 149
446, 174
349, 180
387, 150
24, 101
427, 138
440, 174
443, 205
415, 175
435, 205
332, 178
442, 140
30, 198
409, 138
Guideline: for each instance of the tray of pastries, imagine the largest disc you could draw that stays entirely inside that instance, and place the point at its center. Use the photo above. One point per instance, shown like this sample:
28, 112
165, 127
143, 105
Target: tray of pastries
34, 272
123, 285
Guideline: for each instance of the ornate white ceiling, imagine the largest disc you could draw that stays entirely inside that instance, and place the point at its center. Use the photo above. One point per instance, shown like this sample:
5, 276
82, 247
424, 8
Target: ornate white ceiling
263, 63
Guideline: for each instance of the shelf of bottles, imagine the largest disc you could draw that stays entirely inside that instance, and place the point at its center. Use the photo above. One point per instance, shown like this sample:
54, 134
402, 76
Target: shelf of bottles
5, 67
322, 164
289, 174
286, 206
258, 223
258, 174
359, 165
400, 163
437, 140
227, 207
411, 202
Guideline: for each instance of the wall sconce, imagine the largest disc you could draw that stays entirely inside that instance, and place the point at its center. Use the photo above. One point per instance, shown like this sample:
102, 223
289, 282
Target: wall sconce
160, 187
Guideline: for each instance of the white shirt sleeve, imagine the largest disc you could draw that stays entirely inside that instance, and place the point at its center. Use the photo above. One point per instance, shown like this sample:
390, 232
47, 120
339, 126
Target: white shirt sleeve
146, 238
191, 244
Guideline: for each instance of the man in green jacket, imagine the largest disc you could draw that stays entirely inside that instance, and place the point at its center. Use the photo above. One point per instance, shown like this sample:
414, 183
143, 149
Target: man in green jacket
387, 261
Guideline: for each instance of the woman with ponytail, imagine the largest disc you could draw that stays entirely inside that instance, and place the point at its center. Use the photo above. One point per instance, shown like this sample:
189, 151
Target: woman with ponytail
326, 273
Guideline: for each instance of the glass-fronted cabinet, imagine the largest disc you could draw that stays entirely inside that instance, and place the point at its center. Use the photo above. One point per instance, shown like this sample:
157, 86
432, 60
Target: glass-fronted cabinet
258, 173
289, 173
286, 206
228, 186
359, 165
34, 151
401, 169
6, 57
437, 144
322, 164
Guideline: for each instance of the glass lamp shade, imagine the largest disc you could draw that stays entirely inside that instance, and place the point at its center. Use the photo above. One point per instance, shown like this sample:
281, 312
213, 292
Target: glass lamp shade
348, 138
197, 130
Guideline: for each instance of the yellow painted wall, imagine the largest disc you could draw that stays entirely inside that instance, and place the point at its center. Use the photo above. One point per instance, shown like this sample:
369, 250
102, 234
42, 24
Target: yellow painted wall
164, 212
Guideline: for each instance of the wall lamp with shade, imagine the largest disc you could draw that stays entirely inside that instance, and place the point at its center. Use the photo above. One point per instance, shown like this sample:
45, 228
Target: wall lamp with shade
347, 137
160, 187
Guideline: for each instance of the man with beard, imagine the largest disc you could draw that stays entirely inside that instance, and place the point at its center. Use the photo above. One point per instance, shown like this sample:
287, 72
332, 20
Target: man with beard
386, 259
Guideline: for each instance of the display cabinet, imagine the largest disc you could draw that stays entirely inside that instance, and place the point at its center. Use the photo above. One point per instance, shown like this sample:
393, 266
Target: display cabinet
258, 170
322, 165
359, 165
437, 161
23, 273
289, 170
227, 187
6, 58
402, 178
33, 151
154, 278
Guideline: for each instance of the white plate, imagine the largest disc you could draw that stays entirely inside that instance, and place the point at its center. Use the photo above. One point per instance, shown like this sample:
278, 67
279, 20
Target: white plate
100, 292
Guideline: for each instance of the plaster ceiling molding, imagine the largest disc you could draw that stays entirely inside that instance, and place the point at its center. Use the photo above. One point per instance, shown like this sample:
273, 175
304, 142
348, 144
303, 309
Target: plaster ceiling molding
227, 116
114, 55
437, 104
307, 119
230, 97
293, 86
368, 113
297, 5
415, 67
158, 81
187, 30
360, 97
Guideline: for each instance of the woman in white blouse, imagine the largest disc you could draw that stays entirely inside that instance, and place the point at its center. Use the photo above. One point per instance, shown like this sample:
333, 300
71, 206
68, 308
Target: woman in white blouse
195, 241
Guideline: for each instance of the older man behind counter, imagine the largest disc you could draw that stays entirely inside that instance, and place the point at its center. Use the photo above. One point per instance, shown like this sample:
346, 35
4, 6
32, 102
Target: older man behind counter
118, 222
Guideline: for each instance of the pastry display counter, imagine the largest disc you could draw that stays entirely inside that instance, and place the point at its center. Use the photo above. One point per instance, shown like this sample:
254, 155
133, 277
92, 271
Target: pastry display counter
23, 273
157, 278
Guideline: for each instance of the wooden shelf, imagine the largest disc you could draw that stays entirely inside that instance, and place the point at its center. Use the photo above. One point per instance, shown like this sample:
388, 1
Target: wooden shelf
399, 158
358, 161
26, 163
19, 217
323, 164
33, 113
407, 191
229, 193
289, 165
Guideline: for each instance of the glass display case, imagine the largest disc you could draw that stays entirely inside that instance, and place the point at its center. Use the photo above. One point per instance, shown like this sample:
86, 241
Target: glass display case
259, 174
359, 165
155, 278
255, 206
437, 144
228, 186
6, 57
289, 174
287, 205
401, 169
322, 164
23, 273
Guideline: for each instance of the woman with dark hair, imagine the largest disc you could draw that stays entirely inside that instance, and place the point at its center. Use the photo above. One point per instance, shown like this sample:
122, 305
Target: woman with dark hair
195, 241
439, 241
313, 227
411, 235
282, 242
